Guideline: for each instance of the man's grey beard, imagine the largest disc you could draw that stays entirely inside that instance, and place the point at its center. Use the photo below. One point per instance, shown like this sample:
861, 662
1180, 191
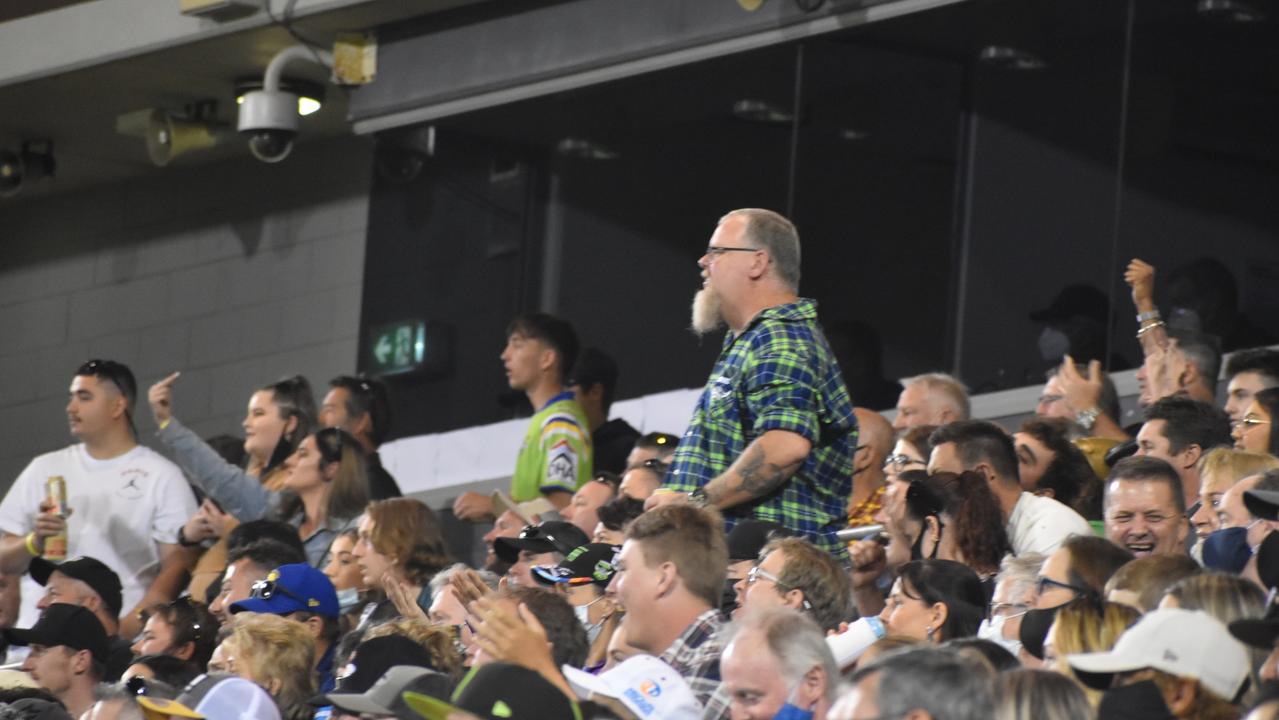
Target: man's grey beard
706, 315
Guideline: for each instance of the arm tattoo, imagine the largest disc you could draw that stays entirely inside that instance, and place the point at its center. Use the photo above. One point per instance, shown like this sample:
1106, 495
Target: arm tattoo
758, 477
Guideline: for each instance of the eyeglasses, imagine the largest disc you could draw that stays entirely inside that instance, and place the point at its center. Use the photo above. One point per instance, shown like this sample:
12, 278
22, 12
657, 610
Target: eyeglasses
1009, 610
757, 572
899, 463
1249, 422
717, 250
1043, 584
655, 464
266, 589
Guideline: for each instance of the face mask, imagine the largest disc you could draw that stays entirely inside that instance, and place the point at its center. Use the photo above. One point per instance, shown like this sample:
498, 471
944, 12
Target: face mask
583, 613
1268, 560
992, 629
1139, 700
791, 711
1227, 549
348, 599
1053, 344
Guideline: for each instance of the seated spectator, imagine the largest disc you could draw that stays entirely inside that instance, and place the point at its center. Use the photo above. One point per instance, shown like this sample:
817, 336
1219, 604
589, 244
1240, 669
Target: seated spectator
565, 636
1015, 588
360, 407
909, 454
1049, 464
247, 566
1231, 548
344, 573
615, 516
777, 658
619, 650
875, 443
745, 542
1189, 656
68, 654
215, 695
1145, 508
1085, 626
168, 669
1227, 598
931, 399
400, 549
441, 650
1082, 567
517, 691
304, 595
446, 607
1219, 470
1252, 432
935, 600
240, 535
1034, 524
594, 385
582, 577
922, 684
508, 524
379, 690
1087, 400
1029, 694
642, 480
583, 509
960, 521
1141, 584
89, 583
642, 686
1248, 372
652, 445
794, 573
276, 654
184, 629
874, 562
543, 544
1180, 431
669, 578
992, 653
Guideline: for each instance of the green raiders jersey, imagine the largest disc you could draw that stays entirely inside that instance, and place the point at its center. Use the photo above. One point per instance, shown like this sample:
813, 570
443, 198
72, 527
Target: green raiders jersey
556, 454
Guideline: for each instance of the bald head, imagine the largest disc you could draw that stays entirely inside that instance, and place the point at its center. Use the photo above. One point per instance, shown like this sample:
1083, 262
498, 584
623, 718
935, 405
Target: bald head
875, 432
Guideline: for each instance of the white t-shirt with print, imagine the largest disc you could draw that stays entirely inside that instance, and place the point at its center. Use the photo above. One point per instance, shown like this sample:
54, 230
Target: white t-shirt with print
121, 508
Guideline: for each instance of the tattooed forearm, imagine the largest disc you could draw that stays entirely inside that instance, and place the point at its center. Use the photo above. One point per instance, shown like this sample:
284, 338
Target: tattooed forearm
760, 477
756, 473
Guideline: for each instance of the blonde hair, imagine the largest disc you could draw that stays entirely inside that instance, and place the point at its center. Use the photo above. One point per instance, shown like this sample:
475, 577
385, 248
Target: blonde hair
1086, 625
1227, 598
274, 648
1235, 464
437, 639
1026, 694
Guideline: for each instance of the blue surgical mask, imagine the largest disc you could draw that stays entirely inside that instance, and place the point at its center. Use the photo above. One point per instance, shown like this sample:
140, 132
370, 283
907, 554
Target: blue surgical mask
1227, 549
348, 599
791, 711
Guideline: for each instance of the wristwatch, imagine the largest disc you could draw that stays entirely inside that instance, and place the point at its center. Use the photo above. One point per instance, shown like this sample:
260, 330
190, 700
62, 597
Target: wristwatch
1088, 418
698, 498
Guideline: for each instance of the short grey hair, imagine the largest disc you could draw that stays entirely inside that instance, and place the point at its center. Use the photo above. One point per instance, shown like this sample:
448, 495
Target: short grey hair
129, 707
794, 639
445, 576
1020, 573
774, 233
950, 388
942, 682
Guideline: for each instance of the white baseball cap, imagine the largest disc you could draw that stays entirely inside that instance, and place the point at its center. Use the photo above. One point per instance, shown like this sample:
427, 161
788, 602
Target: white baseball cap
1184, 643
647, 686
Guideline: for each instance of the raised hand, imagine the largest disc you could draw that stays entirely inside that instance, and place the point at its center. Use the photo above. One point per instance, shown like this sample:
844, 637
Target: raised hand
161, 398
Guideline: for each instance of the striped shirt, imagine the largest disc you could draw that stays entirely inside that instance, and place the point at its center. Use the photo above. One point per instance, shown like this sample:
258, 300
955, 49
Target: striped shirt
556, 454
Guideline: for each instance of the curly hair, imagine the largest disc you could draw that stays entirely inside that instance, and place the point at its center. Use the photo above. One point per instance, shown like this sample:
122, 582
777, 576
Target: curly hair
974, 515
408, 531
274, 649
437, 639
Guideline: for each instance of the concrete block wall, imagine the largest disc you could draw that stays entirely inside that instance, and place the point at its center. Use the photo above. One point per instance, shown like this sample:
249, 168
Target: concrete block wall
236, 274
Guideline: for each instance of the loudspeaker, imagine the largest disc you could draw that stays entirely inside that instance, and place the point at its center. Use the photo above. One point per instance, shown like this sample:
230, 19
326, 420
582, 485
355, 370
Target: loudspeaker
168, 137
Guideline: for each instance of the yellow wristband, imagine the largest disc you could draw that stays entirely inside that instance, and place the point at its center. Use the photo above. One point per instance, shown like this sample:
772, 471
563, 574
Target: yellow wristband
166, 422
31, 544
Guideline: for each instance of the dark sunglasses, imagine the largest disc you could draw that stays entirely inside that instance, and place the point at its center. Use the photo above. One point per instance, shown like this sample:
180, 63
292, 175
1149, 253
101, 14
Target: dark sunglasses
267, 589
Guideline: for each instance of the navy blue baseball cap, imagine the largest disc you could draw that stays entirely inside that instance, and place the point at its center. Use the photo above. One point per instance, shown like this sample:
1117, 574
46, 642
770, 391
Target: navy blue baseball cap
289, 589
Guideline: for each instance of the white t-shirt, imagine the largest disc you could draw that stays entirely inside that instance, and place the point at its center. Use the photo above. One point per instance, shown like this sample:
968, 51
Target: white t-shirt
1040, 524
120, 508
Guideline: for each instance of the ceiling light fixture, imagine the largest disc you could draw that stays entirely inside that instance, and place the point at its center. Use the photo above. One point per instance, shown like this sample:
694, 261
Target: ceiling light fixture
1010, 58
310, 94
760, 111
18, 169
582, 149
1232, 12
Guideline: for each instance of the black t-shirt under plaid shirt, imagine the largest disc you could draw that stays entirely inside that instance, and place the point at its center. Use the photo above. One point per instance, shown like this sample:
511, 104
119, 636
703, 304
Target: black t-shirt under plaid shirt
779, 374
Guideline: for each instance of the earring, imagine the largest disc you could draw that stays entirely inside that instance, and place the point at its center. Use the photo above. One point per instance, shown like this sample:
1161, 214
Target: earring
928, 631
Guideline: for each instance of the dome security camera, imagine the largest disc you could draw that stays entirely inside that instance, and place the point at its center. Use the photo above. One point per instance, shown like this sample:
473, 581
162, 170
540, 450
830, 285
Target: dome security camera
269, 119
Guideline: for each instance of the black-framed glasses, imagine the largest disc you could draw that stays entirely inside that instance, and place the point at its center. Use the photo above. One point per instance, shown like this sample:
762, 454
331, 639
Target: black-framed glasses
267, 589
899, 463
717, 250
1043, 584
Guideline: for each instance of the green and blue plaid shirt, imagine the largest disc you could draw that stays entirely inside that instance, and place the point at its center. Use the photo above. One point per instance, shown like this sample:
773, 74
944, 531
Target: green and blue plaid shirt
779, 374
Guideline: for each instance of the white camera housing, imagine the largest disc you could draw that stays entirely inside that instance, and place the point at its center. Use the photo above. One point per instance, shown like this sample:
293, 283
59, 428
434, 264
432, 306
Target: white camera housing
269, 119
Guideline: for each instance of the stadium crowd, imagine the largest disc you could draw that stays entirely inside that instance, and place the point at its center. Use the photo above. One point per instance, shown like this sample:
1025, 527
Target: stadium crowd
788, 555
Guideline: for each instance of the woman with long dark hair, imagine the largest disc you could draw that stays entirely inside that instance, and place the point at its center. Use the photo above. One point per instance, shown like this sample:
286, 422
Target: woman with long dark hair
935, 601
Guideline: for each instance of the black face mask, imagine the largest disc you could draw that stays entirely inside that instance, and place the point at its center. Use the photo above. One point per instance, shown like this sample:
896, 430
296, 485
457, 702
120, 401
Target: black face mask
728, 597
1139, 701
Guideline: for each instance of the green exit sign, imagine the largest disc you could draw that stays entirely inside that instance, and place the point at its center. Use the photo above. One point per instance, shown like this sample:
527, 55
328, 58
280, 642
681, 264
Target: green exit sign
398, 347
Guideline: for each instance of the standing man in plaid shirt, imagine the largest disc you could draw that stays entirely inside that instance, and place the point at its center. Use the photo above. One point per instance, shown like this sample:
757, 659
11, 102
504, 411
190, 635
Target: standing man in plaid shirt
773, 434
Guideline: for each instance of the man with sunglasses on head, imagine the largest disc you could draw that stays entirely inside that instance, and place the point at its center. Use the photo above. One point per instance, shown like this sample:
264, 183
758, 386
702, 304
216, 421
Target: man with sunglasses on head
360, 406
125, 502
303, 594
773, 434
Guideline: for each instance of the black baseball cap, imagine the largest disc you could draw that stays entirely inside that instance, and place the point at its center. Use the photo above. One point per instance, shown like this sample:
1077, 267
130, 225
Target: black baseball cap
371, 659
748, 537
550, 536
1259, 632
90, 571
590, 563
499, 691
69, 625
